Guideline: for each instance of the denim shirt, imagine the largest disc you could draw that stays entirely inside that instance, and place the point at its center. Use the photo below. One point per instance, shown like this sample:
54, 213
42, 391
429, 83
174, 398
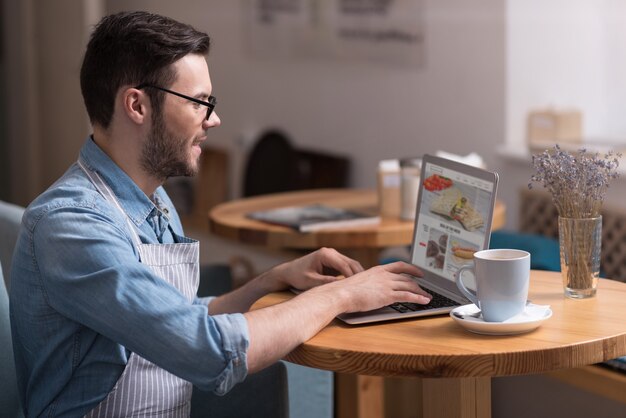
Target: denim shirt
81, 301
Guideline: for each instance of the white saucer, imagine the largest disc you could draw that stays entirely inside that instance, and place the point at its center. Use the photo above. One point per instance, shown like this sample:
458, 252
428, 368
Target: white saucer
530, 319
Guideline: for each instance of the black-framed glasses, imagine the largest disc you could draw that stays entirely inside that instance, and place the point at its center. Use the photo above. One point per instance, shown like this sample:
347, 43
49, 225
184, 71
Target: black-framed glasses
210, 103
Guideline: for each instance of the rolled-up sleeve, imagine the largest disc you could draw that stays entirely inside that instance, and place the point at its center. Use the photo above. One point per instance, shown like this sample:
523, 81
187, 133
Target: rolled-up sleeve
206, 300
235, 346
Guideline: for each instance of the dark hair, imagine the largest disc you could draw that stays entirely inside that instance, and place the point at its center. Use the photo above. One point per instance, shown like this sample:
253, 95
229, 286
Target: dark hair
130, 48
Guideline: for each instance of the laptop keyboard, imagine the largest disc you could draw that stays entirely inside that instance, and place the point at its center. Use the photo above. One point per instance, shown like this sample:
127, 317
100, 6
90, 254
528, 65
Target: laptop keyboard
438, 301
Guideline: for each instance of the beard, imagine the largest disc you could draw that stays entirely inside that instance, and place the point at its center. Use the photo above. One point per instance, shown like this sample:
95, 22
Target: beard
166, 155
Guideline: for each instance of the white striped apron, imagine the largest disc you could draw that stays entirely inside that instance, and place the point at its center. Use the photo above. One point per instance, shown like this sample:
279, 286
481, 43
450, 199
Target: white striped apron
144, 389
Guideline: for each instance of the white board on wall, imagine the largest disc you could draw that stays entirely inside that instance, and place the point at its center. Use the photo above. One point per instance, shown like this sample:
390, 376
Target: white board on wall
386, 32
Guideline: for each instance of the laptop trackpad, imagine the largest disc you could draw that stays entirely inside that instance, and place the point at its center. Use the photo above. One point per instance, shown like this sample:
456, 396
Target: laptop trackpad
381, 314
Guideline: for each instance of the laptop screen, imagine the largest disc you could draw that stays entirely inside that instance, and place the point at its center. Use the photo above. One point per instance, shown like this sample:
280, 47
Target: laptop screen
453, 216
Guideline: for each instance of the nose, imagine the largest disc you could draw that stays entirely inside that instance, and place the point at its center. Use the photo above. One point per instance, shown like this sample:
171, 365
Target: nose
213, 122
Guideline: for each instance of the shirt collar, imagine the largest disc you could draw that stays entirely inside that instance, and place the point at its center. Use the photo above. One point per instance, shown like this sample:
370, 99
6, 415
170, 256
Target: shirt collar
133, 200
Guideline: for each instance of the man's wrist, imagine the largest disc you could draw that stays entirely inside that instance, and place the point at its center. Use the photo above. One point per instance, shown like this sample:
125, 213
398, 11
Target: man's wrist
339, 297
273, 279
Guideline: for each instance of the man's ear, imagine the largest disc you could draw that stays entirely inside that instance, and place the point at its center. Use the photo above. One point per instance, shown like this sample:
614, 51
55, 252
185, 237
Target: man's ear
135, 105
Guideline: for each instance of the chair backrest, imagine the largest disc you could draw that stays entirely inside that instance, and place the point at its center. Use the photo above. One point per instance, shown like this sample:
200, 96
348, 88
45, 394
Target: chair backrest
538, 215
9, 398
10, 220
215, 280
275, 165
262, 395
271, 166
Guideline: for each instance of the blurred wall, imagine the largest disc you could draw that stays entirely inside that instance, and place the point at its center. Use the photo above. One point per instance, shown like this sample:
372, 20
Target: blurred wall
368, 112
564, 54
455, 102
43, 42
5, 192
568, 54
486, 62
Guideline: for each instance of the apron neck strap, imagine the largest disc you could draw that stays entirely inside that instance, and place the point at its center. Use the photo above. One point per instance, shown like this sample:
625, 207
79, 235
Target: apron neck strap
104, 189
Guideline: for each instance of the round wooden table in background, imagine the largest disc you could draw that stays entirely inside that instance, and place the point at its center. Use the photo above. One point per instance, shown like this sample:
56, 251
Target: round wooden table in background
229, 220
457, 366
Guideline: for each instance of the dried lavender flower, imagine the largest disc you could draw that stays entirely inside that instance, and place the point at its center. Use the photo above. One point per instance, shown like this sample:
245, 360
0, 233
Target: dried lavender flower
577, 182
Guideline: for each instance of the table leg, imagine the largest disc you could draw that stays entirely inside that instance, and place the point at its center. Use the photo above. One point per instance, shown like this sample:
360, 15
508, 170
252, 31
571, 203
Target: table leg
458, 398
359, 396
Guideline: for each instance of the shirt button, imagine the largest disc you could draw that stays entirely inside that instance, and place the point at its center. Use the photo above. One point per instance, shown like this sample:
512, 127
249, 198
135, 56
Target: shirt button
166, 211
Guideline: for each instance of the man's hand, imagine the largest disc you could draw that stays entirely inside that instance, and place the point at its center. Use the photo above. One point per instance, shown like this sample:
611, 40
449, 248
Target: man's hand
276, 330
380, 286
320, 267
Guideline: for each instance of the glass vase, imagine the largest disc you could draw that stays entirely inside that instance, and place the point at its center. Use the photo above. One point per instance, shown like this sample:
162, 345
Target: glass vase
580, 240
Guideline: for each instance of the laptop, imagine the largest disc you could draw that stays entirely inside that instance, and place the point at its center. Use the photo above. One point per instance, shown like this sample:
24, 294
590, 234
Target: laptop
454, 210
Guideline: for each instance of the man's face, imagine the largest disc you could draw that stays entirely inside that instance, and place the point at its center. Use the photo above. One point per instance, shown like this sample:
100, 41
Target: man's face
172, 147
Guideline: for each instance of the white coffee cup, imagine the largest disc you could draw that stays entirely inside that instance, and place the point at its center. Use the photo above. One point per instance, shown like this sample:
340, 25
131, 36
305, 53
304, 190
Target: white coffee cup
502, 278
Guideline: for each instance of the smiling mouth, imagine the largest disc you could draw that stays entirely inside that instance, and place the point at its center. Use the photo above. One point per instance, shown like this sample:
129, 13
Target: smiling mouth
199, 141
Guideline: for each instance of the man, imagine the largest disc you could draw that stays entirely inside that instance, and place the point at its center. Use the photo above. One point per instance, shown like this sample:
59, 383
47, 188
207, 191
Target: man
104, 315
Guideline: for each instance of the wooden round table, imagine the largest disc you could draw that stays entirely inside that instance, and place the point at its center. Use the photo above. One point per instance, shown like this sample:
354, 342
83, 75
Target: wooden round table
457, 365
229, 220
357, 395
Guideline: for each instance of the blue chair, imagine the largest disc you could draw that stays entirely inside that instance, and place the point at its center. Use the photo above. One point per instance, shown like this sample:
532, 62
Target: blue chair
263, 394
9, 397
544, 251
10, 220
